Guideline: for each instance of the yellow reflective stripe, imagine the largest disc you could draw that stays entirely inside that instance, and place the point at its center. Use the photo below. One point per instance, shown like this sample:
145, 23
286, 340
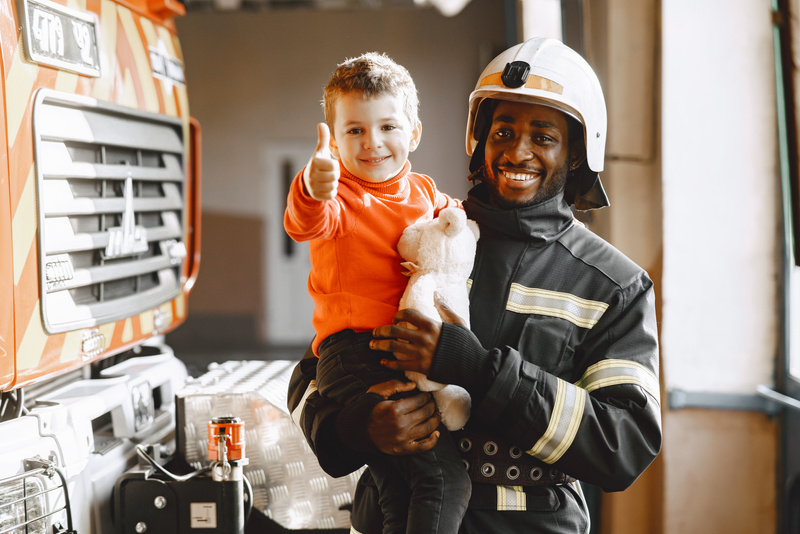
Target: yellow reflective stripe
24, 226
127, 330
580, 312
128, 97
469, 283
66, 82
180, 91
19, 85
533, 82
141, 60
564, 422
147, 322
180, 306
71, 348
33, 341
108, 37
617, 372
152, 37
511, 498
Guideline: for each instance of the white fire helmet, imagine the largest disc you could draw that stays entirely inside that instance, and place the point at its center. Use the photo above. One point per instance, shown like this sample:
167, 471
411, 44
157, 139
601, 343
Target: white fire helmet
547, 72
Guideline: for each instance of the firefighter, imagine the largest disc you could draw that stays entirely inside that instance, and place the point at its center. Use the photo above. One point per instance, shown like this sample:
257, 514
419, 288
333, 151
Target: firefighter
562, 358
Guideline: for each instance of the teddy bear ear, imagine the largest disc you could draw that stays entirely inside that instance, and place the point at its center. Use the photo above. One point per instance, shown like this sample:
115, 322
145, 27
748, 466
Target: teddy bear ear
452, 220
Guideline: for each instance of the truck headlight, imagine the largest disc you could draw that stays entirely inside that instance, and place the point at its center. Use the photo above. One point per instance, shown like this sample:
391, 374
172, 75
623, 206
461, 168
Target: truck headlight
29, 504
23, 506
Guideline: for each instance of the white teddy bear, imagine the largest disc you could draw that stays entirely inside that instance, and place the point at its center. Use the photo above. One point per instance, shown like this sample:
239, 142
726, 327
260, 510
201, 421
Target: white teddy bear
439, 255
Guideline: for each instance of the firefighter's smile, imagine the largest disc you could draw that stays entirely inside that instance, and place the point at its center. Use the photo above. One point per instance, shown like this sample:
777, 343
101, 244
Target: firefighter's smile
516, 176
519, 178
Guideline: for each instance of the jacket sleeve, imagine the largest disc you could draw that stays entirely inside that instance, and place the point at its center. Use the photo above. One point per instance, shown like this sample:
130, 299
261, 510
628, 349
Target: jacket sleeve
306, 219
443, 201
604, 428
337, 436
439, 200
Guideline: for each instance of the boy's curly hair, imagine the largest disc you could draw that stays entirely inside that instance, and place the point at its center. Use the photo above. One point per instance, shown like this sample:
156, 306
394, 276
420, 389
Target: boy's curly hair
371, 74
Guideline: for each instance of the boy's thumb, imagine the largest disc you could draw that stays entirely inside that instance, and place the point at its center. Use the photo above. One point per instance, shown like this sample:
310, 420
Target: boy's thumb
323, 141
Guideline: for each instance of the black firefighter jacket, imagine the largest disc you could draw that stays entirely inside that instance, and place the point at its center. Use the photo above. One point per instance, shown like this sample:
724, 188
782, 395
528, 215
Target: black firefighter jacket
562, 359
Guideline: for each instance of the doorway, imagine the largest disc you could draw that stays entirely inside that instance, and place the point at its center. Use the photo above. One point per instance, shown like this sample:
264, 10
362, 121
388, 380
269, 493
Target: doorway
287, 303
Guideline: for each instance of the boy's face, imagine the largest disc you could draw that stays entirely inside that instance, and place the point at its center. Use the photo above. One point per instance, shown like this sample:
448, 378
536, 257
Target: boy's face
372, 136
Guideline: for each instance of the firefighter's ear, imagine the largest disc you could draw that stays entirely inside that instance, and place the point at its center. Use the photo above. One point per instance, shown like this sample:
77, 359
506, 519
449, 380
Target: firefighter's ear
576, 160
577, 155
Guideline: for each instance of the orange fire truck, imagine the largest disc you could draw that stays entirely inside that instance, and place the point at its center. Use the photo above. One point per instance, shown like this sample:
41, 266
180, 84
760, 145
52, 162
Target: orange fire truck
103, 431
99, 249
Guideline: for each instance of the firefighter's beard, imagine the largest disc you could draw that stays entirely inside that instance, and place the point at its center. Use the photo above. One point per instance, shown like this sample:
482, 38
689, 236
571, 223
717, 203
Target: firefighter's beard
550, 187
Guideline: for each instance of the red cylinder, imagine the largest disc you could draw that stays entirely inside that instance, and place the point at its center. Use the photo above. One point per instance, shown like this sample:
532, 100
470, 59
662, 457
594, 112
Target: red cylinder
231, 428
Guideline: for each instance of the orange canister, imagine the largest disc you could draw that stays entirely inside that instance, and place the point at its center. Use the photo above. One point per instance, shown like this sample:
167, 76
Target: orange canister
231, 429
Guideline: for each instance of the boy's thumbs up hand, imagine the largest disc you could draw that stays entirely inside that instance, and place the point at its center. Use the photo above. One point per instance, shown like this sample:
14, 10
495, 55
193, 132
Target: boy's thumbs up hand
321, 176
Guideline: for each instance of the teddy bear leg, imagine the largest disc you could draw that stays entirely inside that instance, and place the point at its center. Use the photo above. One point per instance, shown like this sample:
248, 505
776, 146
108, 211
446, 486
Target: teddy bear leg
422, 382
454, 403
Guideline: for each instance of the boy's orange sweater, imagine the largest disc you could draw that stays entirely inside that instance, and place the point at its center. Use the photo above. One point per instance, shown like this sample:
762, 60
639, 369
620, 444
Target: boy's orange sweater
356, 279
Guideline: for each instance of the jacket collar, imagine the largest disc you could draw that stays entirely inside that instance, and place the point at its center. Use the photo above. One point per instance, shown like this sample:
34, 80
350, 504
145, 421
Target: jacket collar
542, 222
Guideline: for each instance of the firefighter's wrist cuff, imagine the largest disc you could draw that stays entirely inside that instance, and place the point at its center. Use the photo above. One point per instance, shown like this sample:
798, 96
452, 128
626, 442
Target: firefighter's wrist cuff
351, 423
459, 358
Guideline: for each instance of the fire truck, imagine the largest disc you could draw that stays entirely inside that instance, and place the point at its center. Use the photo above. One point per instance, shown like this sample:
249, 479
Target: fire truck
103, 431
99, 249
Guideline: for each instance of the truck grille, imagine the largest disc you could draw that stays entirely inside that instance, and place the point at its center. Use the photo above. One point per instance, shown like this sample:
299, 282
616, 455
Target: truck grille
111, 196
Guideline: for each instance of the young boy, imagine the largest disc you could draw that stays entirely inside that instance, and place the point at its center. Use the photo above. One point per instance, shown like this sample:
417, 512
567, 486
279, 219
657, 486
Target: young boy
353, 212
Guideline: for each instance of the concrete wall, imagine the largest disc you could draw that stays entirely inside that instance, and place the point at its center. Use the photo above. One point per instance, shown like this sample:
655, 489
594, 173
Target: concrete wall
721, 195
691, 171
622, 43
721, 251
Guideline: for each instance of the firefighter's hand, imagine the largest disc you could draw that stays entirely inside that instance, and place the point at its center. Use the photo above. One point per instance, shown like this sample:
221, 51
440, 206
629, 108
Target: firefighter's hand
403, 426
412, 338
321, 175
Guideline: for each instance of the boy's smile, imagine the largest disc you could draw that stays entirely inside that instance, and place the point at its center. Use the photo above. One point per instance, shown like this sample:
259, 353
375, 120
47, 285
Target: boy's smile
372, 136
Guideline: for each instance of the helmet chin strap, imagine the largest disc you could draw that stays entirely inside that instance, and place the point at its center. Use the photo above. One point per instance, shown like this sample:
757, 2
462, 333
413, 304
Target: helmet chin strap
476, 161
477, 175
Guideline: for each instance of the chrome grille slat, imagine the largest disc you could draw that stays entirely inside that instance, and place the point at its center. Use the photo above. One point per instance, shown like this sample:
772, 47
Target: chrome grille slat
61, 237
58, 163
111, 188
106, 273
83, 124
66, 312
57, 204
